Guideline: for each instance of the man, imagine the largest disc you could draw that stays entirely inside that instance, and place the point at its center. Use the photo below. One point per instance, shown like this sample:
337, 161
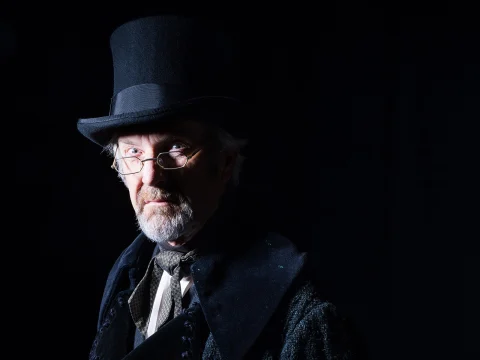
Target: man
203, 279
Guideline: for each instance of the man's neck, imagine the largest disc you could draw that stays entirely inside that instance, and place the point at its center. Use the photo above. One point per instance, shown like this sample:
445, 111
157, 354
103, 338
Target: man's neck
184, 239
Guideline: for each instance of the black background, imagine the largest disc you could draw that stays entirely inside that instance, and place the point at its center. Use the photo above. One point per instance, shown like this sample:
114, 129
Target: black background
365, 154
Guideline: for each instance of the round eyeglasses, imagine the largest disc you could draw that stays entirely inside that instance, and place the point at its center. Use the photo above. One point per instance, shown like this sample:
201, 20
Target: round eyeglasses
169, 160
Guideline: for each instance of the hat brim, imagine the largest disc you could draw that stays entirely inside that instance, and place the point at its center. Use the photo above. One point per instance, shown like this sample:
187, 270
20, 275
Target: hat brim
101, 129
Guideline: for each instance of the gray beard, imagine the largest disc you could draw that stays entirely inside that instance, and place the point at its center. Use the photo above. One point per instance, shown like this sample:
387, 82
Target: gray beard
162, 225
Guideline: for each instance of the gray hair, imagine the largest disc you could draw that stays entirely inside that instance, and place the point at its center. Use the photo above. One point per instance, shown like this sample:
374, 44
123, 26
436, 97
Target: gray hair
224, 139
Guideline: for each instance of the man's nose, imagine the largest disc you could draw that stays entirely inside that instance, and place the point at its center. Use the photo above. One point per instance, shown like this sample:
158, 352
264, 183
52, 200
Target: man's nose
152, 173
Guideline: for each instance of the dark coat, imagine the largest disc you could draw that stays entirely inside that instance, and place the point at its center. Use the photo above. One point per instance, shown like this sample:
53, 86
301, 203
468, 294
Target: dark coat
256, 301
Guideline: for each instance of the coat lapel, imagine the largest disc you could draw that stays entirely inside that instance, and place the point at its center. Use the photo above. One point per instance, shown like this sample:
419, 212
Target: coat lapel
240, 295
126, 272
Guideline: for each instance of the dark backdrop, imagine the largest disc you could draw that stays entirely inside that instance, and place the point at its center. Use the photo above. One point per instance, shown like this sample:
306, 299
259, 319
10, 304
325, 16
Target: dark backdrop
365, 155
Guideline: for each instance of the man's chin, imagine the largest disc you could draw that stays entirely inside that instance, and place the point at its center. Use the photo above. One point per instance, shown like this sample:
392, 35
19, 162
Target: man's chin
164, 223
157, 228
155, 221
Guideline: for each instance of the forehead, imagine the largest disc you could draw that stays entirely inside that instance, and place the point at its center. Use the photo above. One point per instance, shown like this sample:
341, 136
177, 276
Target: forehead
189, 129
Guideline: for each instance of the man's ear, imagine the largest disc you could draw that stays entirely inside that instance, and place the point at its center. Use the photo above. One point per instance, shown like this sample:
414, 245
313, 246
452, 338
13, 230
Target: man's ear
229, 159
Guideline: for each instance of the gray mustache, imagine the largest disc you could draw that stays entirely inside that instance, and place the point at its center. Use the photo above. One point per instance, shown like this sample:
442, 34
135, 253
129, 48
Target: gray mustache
158, 194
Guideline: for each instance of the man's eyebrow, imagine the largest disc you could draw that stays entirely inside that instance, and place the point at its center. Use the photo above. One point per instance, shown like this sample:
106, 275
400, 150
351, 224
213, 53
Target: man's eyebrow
162, 139
127, 142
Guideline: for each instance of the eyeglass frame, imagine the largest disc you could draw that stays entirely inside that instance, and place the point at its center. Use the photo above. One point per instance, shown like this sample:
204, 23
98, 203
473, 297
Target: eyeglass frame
153, 158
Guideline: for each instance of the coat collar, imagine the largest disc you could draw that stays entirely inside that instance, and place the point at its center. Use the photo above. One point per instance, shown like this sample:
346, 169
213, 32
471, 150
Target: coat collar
125, 272
239, 294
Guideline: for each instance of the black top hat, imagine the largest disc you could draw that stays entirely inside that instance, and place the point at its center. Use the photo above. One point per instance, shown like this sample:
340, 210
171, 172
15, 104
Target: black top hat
165, 66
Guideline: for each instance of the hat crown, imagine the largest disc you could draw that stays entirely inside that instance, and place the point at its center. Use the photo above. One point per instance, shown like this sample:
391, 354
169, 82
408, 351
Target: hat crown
169, 66
172, 50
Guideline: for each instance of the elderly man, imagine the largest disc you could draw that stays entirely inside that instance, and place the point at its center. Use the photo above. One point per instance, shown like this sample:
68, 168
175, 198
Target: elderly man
202, 279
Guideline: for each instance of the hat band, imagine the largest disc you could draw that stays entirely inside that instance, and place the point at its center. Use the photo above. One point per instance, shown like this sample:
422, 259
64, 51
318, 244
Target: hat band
146, 97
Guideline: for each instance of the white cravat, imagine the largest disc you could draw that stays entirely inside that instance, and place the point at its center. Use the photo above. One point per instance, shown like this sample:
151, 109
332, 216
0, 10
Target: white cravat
185, 284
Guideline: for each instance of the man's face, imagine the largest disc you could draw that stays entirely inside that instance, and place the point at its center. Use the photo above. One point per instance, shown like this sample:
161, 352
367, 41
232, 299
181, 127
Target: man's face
171, 205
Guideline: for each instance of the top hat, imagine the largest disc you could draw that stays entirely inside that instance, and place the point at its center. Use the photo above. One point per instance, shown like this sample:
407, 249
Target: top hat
167, 66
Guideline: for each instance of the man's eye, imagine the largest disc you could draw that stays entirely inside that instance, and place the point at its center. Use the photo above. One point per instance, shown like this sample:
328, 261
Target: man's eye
132, 152
178, 146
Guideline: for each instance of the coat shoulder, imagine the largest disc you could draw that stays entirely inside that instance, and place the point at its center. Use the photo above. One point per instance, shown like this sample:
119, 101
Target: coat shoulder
314, 328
